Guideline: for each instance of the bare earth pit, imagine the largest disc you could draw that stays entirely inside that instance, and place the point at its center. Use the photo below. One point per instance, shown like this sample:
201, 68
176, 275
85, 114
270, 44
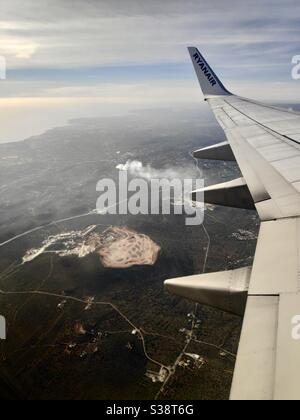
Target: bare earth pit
124, 248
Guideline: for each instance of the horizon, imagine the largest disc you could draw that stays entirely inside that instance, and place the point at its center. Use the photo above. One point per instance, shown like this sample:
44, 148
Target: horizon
88, 62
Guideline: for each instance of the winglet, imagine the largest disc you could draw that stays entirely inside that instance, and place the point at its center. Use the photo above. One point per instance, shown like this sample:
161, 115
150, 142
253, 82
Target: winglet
209, 81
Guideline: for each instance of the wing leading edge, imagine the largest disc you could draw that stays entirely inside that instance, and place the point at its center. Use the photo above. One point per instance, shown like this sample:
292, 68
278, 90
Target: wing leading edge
265, 142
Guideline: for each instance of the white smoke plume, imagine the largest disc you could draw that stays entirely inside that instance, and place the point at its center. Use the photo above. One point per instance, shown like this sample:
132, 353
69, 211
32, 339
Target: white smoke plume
138, 169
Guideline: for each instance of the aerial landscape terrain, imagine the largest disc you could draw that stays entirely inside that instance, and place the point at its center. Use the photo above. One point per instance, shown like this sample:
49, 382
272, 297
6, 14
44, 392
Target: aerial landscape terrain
87, 314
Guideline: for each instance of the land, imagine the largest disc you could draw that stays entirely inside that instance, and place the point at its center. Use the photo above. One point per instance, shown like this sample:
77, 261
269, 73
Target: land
80, 326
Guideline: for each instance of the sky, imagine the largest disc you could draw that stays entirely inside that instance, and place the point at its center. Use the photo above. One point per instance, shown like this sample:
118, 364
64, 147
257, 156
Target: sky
88, 58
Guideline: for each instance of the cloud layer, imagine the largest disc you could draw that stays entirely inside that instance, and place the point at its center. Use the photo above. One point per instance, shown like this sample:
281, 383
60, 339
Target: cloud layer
132, 53
64, 33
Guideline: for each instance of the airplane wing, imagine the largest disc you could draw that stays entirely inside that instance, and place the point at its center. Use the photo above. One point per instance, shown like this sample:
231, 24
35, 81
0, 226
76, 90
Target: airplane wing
265, 141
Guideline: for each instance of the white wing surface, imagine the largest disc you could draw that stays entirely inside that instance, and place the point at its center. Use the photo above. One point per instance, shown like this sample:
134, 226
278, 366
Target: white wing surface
265, 142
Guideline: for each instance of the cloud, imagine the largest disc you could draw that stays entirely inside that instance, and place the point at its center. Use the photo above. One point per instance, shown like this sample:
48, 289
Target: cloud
18, 48
112, 33
149, 93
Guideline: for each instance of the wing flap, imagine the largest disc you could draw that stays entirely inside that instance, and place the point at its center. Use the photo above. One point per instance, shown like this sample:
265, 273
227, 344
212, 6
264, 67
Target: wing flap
267, 347
255, 366
276, 261
287, 378
268, 362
